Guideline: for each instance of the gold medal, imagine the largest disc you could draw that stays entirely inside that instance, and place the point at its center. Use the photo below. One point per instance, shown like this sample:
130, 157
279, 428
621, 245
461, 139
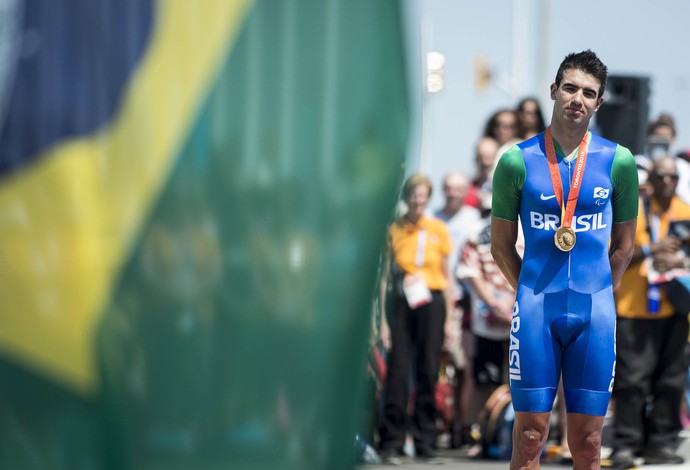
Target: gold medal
564, 238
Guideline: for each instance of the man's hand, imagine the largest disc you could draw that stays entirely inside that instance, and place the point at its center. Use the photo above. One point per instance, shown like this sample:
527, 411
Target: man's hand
450, 333
665, 261
667, 245
502, 310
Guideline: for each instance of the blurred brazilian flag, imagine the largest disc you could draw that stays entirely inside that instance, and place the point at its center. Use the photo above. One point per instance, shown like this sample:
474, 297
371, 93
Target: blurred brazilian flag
193, 197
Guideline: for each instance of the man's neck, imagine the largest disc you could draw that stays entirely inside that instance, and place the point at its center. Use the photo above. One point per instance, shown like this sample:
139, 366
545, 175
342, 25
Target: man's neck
482, 176
449, 211
662, 202
568, 138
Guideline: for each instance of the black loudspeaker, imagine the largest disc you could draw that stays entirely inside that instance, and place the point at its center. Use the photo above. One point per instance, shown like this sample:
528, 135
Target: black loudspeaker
624, 115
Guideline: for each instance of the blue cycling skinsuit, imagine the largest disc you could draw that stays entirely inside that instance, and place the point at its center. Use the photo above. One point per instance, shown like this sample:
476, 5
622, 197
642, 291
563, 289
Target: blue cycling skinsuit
564, 316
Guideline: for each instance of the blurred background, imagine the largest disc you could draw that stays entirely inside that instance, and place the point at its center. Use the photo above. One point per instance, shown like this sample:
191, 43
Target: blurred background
194, 197
499, 51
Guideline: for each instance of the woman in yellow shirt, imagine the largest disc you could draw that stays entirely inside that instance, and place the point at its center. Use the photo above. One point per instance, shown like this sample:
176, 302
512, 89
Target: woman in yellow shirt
418, 247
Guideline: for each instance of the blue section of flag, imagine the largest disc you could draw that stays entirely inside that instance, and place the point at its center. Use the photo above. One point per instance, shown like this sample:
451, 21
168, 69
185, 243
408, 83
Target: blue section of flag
67, 81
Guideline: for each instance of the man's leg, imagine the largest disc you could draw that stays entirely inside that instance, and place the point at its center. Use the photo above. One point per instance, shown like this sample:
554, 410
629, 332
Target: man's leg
530, 431
562, 421
534, 356
584, 439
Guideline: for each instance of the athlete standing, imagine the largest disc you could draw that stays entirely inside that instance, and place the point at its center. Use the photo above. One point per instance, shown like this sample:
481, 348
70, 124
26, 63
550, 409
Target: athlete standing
575, 194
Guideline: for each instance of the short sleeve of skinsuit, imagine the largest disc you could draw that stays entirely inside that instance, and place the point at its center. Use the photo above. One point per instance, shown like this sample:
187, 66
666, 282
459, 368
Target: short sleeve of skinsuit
625, 185
508, 180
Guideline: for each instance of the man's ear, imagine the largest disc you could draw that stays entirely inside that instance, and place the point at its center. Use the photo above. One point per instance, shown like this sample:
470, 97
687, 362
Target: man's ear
600, 101
553, 91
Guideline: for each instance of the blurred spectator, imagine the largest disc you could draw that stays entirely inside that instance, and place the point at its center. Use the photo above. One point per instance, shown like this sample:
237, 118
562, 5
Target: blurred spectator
667, 118
661, 135
664, 126
492, 311
500, 132
651, 368
486, 154
530, 118
422, 311
502, 126
644, 166
459, 217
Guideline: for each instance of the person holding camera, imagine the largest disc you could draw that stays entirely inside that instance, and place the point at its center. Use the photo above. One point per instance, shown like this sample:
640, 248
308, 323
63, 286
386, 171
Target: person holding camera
651, 332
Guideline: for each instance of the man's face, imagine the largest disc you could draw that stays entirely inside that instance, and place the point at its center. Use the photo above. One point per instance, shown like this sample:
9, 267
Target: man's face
664, 177
455, 191
486, 153
576, 99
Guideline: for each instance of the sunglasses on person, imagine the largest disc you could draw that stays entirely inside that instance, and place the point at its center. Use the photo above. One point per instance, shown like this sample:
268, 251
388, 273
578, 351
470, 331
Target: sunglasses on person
660, 175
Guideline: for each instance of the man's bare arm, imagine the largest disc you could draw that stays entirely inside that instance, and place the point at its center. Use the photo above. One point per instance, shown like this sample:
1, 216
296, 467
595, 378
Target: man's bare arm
621, 249
503, 237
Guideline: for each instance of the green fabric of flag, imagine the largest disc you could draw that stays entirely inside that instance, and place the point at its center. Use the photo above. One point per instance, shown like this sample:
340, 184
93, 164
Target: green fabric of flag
188, 268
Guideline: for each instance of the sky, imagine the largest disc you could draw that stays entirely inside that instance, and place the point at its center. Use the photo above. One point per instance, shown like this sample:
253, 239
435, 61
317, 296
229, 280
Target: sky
523, 42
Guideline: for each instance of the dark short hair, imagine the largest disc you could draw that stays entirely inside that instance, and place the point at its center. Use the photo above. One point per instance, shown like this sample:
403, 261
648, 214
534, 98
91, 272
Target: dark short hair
586, 61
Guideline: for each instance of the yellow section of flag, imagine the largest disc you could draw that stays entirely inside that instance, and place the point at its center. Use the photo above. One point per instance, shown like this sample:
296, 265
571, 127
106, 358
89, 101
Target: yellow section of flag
68, 220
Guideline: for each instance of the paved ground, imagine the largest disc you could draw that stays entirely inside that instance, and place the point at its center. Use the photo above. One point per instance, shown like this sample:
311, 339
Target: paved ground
458, 460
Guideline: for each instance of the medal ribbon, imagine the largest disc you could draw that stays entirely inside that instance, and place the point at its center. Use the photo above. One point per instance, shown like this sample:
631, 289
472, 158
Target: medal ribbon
567, 210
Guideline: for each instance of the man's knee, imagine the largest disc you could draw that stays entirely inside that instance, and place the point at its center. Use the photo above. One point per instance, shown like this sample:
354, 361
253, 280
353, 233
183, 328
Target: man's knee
530, 438
587, 446
530, 431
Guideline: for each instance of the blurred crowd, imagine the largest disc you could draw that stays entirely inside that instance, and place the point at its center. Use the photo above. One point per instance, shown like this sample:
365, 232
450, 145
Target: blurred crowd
445, 343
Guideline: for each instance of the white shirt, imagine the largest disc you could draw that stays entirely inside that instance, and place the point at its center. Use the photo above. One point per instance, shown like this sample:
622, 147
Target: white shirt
459, 226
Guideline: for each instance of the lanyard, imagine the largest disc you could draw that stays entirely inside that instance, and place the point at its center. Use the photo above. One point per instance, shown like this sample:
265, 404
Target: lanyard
567, 209
653, 222
421, 247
